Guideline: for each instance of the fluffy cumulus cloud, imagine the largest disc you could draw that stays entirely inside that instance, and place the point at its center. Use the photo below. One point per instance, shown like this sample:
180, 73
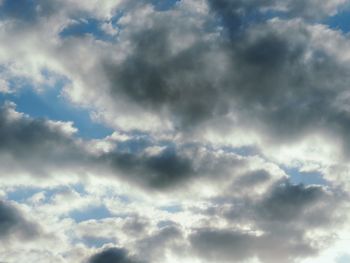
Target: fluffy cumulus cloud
174, 131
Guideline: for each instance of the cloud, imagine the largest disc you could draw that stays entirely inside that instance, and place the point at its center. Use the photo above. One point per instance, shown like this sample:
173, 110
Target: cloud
162, 170
205, 82
168, 81
35, 146
112, 255
294, 221
14, 224
226, 245
289, 202
153, 247
42, 148
182, 85
219, 245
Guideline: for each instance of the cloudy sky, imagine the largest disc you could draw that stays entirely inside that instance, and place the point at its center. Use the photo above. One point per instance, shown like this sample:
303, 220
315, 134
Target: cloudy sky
164, 131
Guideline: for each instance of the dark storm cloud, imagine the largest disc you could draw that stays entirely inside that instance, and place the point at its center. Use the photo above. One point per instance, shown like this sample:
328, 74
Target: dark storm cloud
113, 255
13, 223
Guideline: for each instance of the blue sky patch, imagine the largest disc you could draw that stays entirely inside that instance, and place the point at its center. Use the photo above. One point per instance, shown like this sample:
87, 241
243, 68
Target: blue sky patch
85, 27
90, 26
340, 21
297, 177
173, 209
97, 242
22, 194
243, 151
51, 105
23, 10
134, 145
343, 259
97, 212
163, 5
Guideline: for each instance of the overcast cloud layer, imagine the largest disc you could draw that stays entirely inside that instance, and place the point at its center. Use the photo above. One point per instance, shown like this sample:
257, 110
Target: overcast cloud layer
174, 131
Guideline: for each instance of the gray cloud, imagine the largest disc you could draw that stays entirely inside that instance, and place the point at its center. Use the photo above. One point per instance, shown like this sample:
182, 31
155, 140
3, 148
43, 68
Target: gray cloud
290, 88
228, 246
252, 178
27, 142
208, 76
287, 203
222, 245
35, 145
21, 134
274, 77
153, 247
158, 80
286, 217
14, 224
173, 167
162, 170
112, 255
135, 225
282, 210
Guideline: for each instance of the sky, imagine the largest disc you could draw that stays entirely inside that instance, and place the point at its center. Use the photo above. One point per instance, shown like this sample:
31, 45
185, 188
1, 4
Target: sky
193, 131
